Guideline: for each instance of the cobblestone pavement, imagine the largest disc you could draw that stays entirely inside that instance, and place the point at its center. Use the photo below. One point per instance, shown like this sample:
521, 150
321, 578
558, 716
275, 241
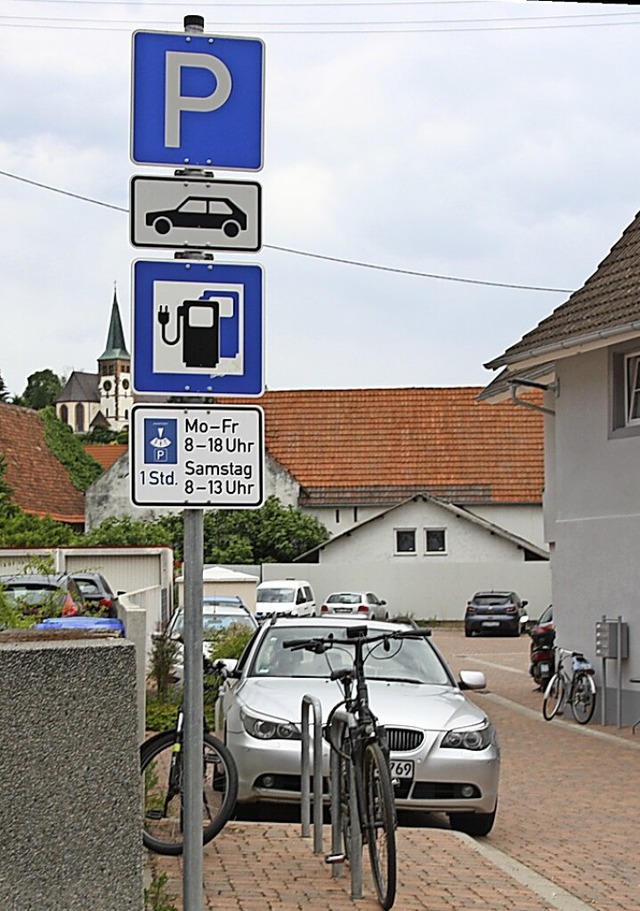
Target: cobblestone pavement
565, 837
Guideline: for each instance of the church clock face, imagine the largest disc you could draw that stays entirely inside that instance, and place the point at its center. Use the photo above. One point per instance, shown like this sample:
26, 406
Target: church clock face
107, 385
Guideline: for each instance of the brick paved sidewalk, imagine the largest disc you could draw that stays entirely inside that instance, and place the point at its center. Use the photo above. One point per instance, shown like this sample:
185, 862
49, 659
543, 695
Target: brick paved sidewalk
269, 867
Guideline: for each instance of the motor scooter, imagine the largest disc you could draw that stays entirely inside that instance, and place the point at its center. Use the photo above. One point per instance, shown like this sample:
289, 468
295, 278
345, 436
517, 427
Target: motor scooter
541, 653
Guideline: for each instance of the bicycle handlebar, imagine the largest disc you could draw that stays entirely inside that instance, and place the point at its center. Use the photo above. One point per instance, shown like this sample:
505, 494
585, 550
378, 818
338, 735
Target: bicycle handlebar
319, 644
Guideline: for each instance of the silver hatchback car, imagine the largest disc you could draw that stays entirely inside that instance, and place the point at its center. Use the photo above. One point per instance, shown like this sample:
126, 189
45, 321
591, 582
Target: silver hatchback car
444, 749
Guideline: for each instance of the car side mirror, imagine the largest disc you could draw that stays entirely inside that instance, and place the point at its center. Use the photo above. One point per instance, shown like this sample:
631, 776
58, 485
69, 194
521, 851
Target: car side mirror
524, 603
472, 680
227, 667
383, 602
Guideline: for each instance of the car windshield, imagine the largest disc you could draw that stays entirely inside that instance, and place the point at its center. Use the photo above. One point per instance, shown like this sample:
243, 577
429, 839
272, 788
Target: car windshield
489, 600
408, 660
344, 598
275, 595
211, 623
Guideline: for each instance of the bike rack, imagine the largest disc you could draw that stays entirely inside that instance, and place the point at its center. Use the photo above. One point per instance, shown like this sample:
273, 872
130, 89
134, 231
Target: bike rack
311, 702
342, 719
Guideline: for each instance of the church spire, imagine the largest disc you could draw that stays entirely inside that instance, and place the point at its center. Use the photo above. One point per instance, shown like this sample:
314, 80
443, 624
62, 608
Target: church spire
116, 348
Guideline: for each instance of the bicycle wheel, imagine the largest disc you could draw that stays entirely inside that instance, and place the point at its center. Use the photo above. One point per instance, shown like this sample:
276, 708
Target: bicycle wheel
380, 823
161, 764
583, 697
553, 697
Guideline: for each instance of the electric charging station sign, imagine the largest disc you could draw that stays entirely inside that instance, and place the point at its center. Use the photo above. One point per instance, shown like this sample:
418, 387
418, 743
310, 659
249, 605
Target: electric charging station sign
197, 100
197, 456
197, 328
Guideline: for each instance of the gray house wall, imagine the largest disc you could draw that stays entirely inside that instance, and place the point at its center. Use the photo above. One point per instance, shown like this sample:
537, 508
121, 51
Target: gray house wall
70, 795
596, 520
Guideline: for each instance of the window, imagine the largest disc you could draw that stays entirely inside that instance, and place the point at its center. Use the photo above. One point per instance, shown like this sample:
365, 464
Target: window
405, 540
435, 541
632, 389
625, 391
79, 418
64, 414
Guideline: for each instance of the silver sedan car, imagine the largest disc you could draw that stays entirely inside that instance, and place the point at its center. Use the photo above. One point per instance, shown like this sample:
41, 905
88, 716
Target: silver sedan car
365, 605
444, 749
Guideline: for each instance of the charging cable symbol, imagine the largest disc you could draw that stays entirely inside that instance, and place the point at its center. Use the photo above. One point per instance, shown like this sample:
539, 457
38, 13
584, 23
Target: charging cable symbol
198, 322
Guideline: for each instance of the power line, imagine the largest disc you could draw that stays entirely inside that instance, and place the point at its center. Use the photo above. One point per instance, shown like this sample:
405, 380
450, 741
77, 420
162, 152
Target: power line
521, 23
334, 259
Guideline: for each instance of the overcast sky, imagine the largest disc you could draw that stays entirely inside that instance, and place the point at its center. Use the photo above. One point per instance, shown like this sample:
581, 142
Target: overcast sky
492, 142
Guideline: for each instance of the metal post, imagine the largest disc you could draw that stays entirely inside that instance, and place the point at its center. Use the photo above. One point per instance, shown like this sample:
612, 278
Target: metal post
192, 890
193, 708
305, 789
603, 720
619, 663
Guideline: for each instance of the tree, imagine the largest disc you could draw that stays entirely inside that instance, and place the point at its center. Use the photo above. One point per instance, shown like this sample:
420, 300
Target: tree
4, 392
124, 532
273, 534
43, 387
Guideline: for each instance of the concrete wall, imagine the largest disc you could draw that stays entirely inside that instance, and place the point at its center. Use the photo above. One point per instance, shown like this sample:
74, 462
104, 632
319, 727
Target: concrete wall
70, 795
425, 590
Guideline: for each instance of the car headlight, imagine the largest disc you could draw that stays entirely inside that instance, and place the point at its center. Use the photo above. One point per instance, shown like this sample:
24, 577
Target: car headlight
268, 728
478, 739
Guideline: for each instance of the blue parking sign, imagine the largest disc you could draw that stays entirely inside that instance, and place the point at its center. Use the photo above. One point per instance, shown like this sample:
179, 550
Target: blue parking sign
160, 441
197, 100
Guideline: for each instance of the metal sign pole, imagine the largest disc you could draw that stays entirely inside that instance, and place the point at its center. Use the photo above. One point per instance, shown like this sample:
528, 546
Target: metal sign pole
193, 708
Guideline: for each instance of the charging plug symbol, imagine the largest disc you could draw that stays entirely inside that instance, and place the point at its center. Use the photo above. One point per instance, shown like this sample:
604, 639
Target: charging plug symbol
198, 324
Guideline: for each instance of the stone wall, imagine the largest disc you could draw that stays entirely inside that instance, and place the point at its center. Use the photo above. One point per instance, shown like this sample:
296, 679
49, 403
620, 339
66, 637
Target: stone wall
69, 776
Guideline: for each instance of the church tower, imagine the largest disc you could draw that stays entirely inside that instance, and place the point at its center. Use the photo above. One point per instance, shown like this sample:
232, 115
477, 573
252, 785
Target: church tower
114, 374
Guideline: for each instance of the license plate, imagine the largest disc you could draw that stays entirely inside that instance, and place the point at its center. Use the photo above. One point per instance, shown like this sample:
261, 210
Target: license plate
491, 623
401, 768
544, 668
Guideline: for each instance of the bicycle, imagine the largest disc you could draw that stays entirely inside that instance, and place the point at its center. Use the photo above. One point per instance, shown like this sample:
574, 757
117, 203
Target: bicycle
161, 765
364, 758
578, 689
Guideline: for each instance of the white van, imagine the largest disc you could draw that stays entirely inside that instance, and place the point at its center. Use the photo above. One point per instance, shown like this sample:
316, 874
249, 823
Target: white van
285, 597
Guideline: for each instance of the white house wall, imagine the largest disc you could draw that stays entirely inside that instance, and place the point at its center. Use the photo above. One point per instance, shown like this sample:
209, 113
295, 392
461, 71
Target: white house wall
465, 541
337, 519
597, 500
520, 519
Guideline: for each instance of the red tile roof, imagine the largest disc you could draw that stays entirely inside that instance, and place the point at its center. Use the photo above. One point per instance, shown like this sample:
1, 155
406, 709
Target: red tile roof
105, 453
383, 445
40, 483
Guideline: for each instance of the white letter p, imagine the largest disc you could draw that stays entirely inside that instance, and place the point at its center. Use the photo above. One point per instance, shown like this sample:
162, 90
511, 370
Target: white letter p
175, 102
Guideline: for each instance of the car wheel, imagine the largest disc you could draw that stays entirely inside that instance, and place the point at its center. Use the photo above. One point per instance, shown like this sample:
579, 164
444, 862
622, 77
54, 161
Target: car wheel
231, 228
468, 633
162, 225
475, 824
